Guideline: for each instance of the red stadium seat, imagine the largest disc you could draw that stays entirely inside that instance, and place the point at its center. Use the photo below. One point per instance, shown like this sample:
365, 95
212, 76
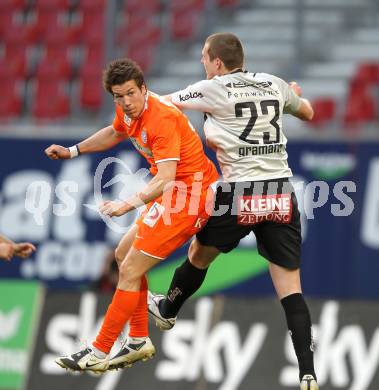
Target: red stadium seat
55, 65
131, 33
13, 64
227, 3
61, 36
51, 25
185, 18
16, 35
143, 54
13, 67
95, 54
324, 111
15, 48
360, 105
46, 21
10, 103
91, 91
52, 4
146, 7
93, 63
92, 5
14, 5
50, 100
136, 42
90, 76
6, 21
368, 72
92, 28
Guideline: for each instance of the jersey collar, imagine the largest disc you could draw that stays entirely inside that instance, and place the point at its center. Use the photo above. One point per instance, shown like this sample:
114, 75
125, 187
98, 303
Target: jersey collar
239, 70
145, 107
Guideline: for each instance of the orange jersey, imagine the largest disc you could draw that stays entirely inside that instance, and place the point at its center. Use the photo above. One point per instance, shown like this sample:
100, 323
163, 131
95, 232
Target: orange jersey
162, 133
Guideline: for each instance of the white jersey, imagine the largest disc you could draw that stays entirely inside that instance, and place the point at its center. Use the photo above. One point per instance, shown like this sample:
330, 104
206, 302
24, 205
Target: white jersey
244, 113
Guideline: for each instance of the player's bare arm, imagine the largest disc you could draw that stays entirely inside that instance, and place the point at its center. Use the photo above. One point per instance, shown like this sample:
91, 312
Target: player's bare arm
104, 139
160, 183
6, 251
5, 240
305, 111
23, 249
8, 248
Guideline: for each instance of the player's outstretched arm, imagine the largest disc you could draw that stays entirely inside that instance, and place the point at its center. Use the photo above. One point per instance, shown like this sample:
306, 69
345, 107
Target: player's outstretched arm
102, 140
6, 251
57, 152
160, 183
5, 240
305, 110
23, 249
8, 248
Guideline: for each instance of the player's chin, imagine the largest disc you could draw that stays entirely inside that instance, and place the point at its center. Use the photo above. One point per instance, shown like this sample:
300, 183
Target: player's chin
132, 114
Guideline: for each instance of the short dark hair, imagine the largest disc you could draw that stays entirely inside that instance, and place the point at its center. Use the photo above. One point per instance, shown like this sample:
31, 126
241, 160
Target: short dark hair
228, 48
121, 70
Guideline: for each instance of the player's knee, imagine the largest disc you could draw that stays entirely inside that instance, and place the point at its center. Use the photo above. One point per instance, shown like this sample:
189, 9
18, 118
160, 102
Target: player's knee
199, 262
129, 273
199, 256
119, 256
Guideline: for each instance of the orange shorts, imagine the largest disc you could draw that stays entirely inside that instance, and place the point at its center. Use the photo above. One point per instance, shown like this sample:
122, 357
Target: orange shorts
167, 224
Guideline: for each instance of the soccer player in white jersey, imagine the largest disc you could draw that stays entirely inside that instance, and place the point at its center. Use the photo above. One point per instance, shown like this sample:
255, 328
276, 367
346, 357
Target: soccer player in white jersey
244, 113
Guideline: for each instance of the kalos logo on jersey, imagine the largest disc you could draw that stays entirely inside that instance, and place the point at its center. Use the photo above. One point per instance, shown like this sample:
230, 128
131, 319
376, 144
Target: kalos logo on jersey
191, 95
260, 208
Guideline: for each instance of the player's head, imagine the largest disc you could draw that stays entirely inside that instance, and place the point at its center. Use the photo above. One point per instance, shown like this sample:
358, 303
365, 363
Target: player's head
221, 54
124, 79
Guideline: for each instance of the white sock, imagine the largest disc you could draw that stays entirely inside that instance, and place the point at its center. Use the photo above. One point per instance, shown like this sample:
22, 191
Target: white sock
136, 340
99, 354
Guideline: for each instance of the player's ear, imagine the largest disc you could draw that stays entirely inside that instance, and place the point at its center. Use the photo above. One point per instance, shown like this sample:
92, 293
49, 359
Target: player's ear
144, 89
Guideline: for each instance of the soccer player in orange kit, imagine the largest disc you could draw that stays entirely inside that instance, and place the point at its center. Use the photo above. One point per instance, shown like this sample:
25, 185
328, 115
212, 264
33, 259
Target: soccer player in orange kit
182, 173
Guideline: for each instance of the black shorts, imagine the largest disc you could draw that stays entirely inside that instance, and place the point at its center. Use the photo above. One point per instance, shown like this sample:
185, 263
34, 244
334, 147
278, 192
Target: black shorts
268, 208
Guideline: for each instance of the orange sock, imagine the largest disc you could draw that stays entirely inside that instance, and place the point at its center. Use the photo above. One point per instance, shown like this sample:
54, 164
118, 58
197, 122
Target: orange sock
123, 305
139, 321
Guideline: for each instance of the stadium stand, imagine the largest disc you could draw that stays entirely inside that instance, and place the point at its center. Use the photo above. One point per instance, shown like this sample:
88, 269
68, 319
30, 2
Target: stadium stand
65, 44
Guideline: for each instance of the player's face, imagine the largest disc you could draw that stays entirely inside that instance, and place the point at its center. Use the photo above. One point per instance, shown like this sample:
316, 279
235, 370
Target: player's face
130, 98
210, 66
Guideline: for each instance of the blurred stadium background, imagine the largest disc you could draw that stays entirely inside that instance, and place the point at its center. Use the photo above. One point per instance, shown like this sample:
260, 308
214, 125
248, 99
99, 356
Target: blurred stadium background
233, 335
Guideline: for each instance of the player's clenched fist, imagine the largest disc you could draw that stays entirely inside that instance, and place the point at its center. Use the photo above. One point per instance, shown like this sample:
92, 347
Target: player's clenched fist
295, 87
56, 152
114, 208
23, 249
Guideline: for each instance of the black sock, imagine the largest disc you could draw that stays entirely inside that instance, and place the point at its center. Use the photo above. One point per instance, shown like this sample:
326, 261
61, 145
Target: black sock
300, 327
186, 281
